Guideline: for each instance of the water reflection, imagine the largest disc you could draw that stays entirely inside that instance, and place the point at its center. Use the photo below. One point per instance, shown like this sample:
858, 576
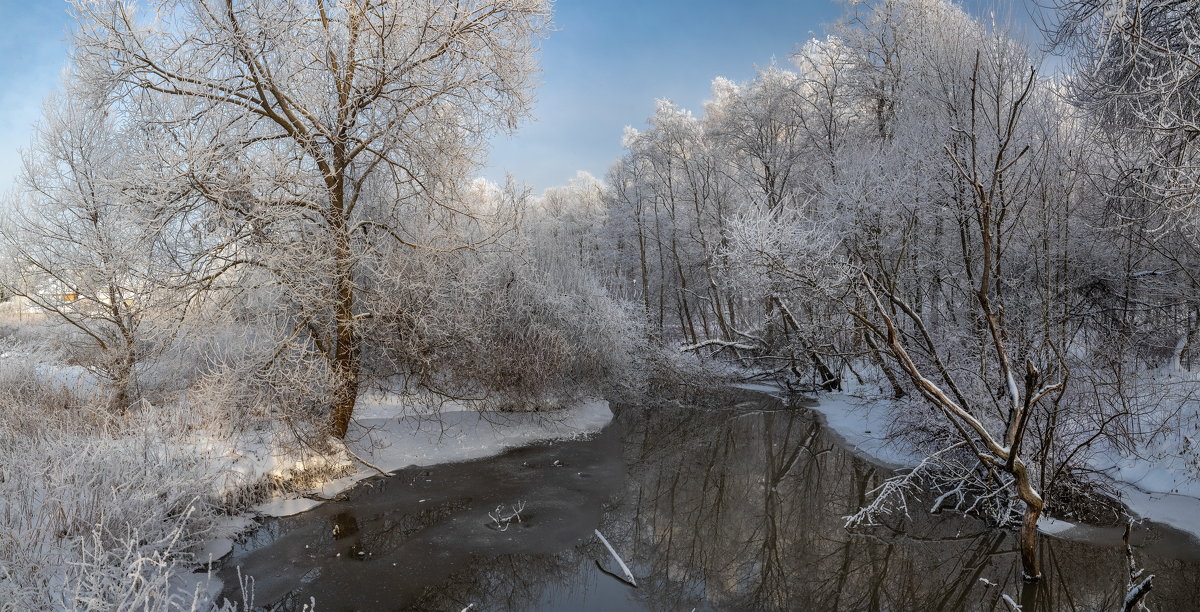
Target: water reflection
741, 509
728, 502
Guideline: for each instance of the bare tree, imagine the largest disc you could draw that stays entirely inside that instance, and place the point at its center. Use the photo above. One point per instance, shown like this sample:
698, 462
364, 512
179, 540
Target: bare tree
989, 155
318, 134
84, 247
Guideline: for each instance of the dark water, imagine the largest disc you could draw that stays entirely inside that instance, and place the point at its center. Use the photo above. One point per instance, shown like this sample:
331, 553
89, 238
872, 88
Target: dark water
725, 501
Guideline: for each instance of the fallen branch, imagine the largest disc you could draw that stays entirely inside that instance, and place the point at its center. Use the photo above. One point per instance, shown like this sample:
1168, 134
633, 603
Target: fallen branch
1137, 593
721, 343
1134, 593
365, 462
503, 522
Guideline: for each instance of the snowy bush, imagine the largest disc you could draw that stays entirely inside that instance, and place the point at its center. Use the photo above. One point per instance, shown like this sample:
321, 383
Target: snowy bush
549, 341
101, 520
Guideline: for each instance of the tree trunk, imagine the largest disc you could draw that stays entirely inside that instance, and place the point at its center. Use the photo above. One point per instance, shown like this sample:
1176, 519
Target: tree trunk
1031, 566
345, 358
877, 357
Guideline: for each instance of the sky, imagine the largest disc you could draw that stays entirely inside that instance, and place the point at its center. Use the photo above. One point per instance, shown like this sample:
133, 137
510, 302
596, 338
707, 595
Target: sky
609, 60
33, 47
604, 65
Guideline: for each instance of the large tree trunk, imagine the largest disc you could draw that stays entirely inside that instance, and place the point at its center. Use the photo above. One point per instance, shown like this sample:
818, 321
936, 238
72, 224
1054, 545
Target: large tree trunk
1031, 566
345, 357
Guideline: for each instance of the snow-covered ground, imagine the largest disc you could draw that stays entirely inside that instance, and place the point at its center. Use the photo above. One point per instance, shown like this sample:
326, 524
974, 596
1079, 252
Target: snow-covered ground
863, 426
1160, 487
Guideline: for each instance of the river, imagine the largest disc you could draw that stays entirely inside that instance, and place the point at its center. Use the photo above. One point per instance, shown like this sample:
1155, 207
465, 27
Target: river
722, 500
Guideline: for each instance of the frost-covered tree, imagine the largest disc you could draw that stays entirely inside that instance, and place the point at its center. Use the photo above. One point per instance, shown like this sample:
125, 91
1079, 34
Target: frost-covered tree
1137, 73
86, 245
317, 135
1137, 68
672, 189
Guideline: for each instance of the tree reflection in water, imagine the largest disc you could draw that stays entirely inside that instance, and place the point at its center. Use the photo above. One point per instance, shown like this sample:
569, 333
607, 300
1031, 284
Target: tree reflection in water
732, 501
736, 505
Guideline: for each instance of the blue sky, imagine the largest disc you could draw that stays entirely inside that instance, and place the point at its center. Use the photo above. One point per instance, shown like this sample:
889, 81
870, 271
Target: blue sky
609, 60
34, 51
604, 66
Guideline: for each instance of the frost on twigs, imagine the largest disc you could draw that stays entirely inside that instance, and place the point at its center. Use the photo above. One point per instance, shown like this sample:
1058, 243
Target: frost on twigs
102, 521
503, 518
959, 481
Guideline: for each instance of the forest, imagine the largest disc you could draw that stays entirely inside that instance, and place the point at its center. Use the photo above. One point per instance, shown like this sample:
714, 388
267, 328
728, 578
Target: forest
246, 229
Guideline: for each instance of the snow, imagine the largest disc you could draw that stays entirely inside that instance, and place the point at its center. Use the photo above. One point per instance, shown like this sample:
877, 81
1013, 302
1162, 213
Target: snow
862, 424
214, 549
196, 587
1160, 478
48, 370
280, 507
1179, 511
222, 534
392, 432
1054, 527
760, 387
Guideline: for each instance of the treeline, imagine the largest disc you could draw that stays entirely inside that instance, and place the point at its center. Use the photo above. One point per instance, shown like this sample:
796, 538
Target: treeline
879, 150
919, 204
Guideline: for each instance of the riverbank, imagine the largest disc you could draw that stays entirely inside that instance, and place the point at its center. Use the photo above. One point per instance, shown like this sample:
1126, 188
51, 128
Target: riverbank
1150, 488
714, 499
121, 508
390, 433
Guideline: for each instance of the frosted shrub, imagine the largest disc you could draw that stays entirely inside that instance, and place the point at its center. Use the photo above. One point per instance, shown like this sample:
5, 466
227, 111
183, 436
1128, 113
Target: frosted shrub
515, 328
35, 389
100, 522
98, 511
545, 340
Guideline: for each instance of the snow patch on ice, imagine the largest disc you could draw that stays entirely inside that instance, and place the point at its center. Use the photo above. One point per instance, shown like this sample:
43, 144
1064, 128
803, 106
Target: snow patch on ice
196, 588
212, 550
767, 388
862, 424
1160, 479
393, 432
1053, 526
280, 507
1179, 511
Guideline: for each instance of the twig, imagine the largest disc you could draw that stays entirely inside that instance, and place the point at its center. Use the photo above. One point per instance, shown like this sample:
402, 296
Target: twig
1012, 604
365, 462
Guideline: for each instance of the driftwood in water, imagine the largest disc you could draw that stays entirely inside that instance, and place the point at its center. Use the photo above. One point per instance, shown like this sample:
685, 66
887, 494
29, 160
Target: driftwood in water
1134, 593
613, 552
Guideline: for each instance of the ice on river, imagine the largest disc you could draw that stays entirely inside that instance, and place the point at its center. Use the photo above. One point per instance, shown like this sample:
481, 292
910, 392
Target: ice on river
391, 433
